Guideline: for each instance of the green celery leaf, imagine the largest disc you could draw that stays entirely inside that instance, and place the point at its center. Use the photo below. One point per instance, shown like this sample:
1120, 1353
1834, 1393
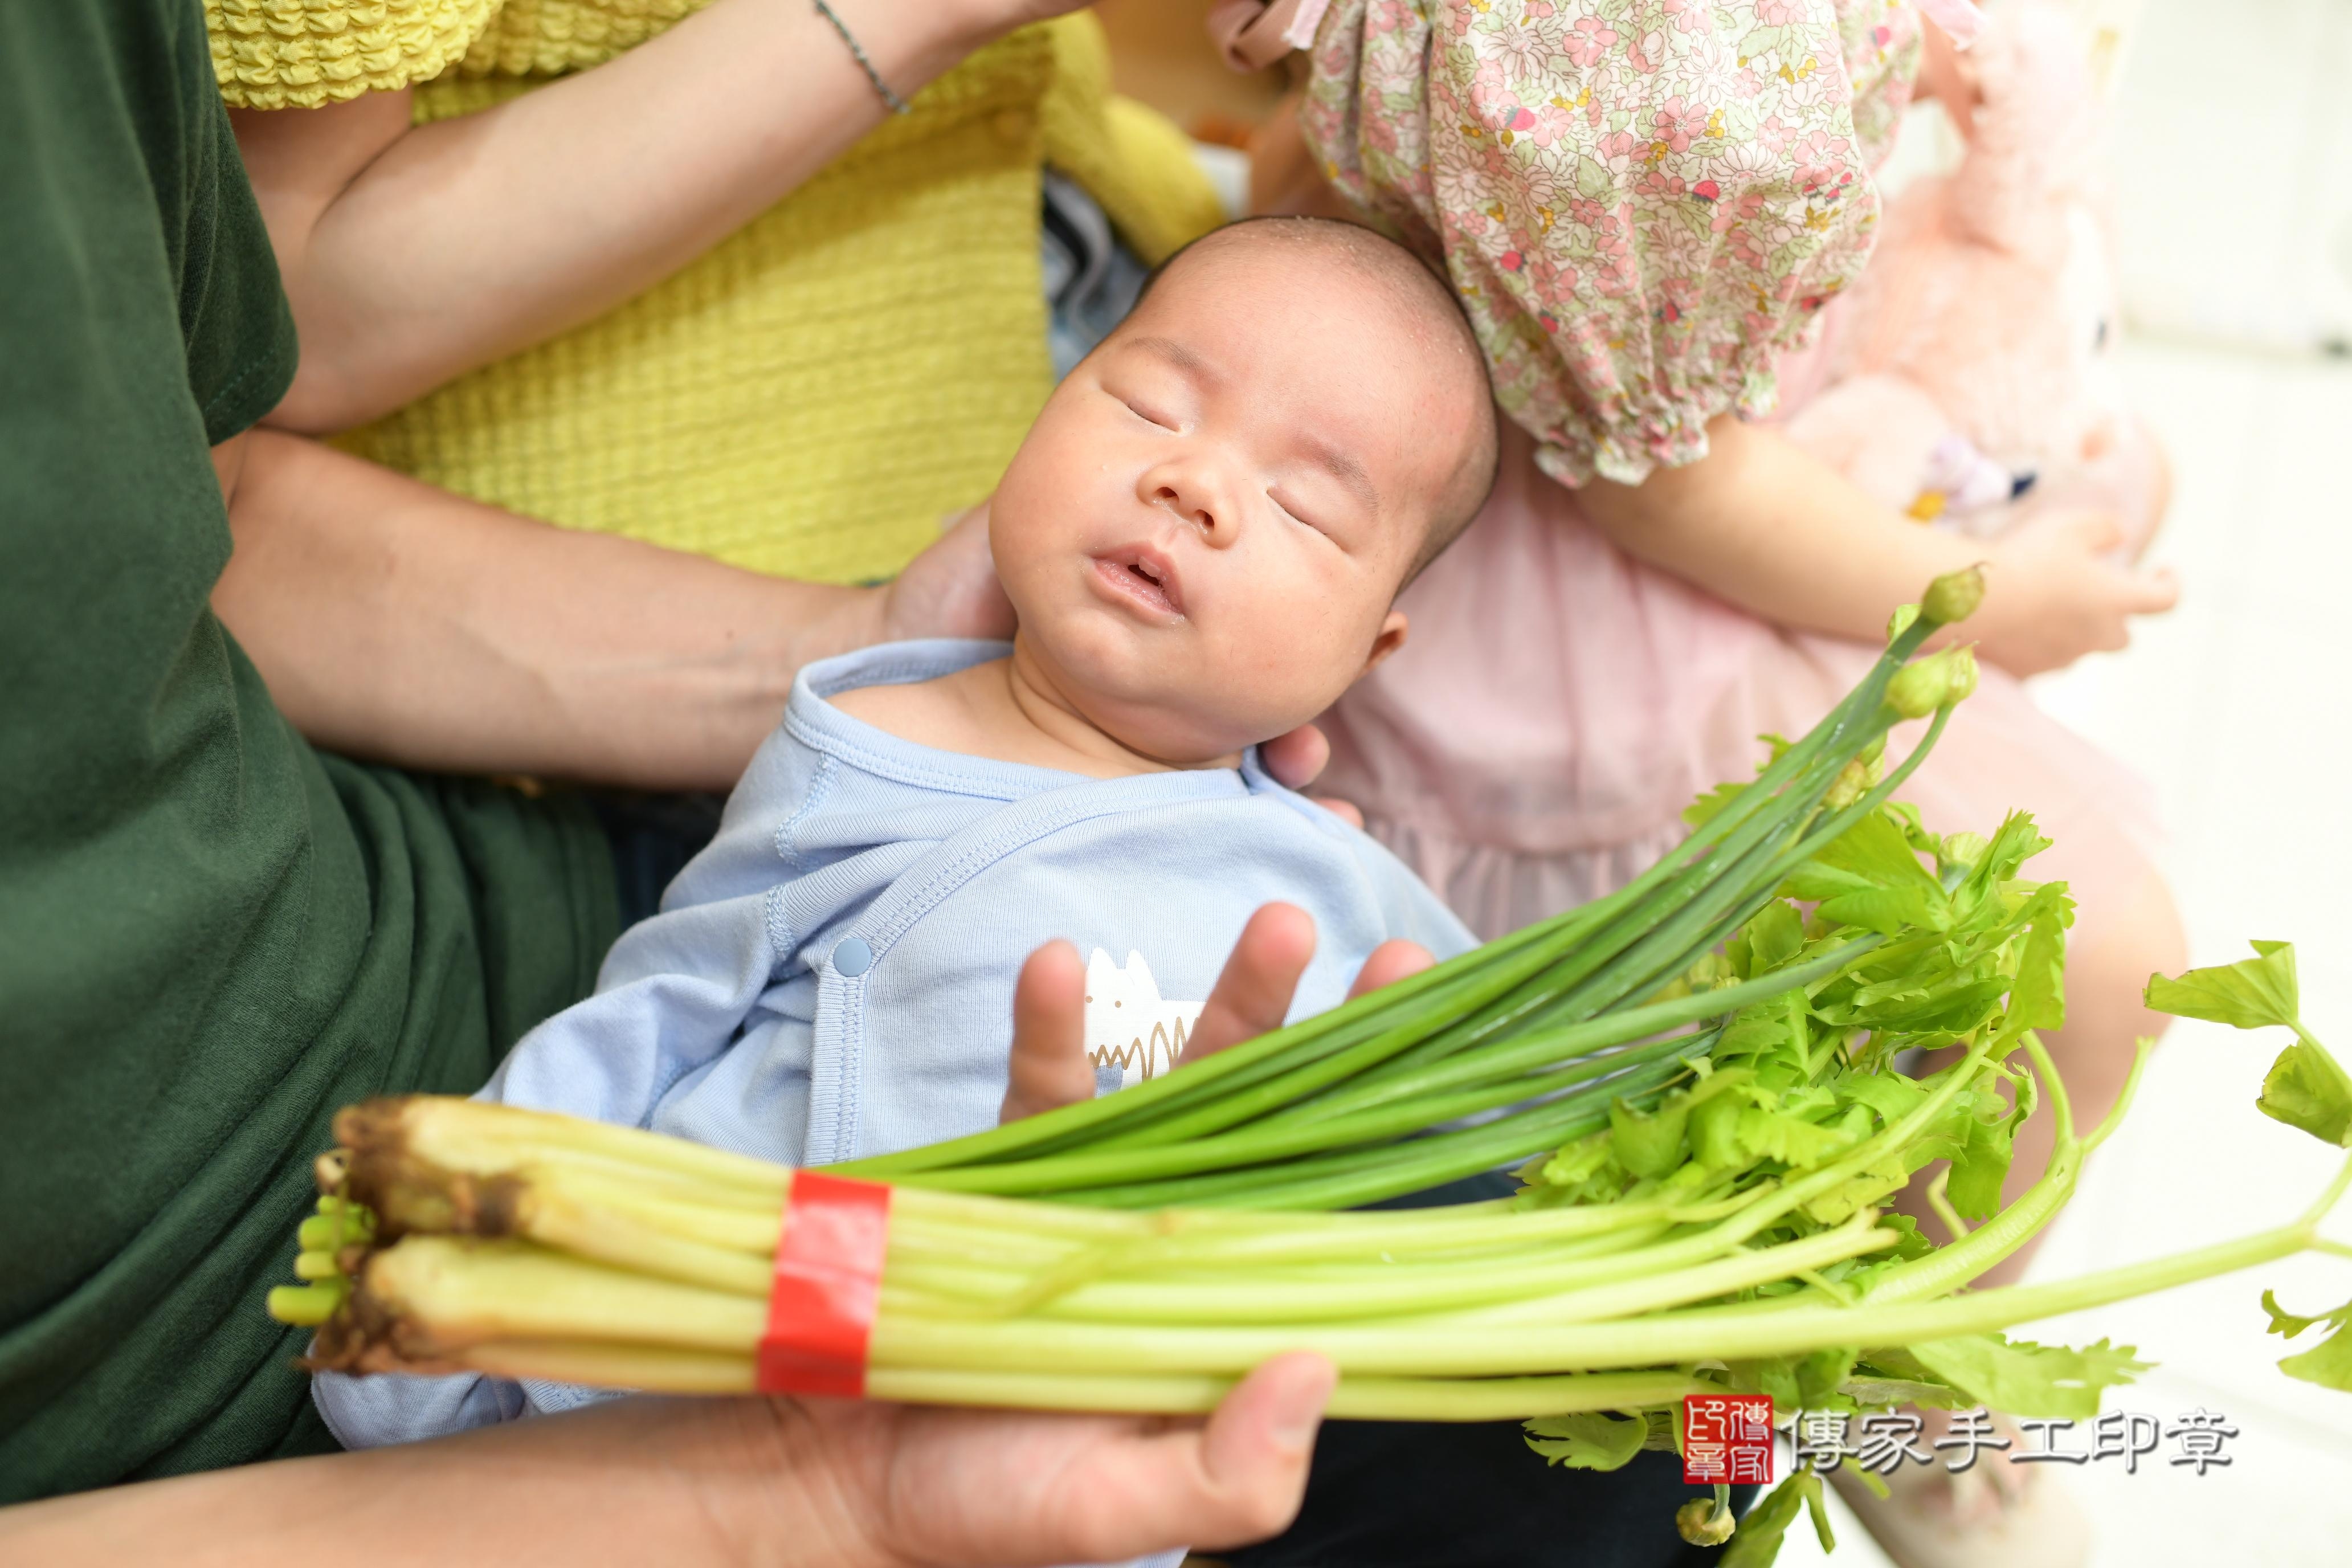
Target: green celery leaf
1757, 1542
1753, 1031
1878, 993
1586, 1169
1700, 811
2037, 1000
1771, 1030
1980, 1168
2248, 994
1891, 1361
2024, 1086
1820, 1374
2026, 1379
1944, 1138
2306, 1089
1887, 1092
1974, 1187
2328, 1364
1775, 1375
1589, 1440
1774, 934
1850, 899
1879, 1393
1907, 816
1791, 1139
1711, 972
1649, 1144
1952, 1008
1735, 952
1816, 1505
1716, 1117
1915, 1243
2287, 1325
1880, 1180
1915, 968
1715, 1132
1871, 877
2015, 842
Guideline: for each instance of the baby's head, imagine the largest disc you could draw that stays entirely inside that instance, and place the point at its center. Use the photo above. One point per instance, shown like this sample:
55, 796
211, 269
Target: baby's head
1206, 530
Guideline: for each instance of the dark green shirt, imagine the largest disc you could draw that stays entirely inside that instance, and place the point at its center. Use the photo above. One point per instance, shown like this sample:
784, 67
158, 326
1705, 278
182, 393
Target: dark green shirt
211, 936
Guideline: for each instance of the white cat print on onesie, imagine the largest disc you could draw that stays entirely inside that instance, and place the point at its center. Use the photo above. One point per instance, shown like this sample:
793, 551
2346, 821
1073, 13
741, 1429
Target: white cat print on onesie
1132, 1033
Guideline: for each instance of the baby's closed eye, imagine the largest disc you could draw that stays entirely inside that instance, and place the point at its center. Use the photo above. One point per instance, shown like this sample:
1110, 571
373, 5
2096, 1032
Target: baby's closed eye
1291, 508
1150, 414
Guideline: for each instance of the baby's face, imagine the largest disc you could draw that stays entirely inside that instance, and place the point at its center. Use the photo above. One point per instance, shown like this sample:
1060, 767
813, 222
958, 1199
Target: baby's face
1204, 533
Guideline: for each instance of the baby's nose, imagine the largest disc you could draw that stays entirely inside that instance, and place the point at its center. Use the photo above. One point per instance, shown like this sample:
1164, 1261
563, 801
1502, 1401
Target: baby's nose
1194, 505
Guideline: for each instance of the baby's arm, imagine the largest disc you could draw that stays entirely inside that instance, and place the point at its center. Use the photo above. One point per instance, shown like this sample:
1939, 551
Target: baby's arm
1765, 524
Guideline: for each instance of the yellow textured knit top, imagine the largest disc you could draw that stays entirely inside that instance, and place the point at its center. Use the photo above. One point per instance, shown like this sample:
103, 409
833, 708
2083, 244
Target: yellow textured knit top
812, 396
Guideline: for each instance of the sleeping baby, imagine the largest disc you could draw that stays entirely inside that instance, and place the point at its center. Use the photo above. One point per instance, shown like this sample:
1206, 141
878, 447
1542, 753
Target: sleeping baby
1203, 537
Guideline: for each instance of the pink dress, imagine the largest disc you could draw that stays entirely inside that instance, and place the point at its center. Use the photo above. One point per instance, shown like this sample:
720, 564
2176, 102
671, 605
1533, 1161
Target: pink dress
1559, 703
1647, 206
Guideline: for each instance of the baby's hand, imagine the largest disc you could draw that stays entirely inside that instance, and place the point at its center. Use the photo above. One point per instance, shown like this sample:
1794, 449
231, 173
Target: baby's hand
1049, 1066
2055, 590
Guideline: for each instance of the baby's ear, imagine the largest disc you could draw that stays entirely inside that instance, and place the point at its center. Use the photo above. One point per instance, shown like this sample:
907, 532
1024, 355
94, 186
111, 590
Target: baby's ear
1390, 640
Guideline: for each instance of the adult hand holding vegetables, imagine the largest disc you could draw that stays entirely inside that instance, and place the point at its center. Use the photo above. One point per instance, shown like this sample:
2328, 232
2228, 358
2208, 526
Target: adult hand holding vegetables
778, 1482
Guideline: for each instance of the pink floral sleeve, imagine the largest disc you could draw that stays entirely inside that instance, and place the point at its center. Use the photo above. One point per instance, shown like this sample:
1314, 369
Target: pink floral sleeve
1641, 201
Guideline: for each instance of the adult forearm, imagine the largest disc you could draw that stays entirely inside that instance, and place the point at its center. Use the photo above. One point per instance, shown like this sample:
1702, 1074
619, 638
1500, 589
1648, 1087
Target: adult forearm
761, 1483
1765, 524
400, 623
647, 1481
412, 254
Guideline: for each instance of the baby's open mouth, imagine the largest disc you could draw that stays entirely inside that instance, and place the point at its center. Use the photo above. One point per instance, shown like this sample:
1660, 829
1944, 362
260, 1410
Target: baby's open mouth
1143, 578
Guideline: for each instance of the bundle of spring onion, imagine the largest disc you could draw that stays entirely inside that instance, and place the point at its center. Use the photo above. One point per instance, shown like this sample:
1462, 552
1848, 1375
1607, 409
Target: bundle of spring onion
1708, 1070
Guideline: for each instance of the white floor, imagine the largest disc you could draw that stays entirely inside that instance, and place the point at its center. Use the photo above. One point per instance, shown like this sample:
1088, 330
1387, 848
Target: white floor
2236, 707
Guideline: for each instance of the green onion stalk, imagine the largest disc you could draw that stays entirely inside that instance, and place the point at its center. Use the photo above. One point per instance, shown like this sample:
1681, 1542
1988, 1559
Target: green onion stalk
1536, 1033
1702, 1079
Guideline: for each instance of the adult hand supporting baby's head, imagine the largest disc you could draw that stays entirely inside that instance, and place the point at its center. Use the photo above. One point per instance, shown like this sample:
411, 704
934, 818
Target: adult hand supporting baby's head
949, 590
1298, 759
1049, 1066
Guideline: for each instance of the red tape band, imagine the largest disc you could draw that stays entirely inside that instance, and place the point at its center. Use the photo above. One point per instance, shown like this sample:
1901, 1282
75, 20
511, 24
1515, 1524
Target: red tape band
827, 1288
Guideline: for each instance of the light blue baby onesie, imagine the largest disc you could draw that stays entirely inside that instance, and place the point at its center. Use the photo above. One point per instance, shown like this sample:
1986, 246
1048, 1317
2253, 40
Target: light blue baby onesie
832, 977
